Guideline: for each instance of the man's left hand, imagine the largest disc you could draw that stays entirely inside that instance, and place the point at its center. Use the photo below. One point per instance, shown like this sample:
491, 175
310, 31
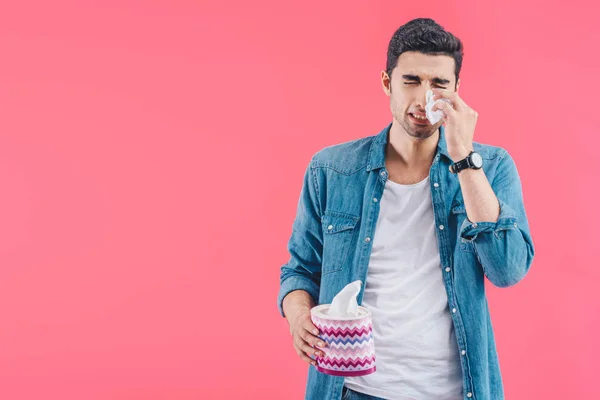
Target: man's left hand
459, 123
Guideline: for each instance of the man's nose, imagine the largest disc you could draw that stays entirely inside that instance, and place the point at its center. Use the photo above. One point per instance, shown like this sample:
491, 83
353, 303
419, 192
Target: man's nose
422, 95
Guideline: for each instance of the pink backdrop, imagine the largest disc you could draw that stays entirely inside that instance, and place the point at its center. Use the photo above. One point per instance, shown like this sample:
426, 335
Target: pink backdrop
151, 158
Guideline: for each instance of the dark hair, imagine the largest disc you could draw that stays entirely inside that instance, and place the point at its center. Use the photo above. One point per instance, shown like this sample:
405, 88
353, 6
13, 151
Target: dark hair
425, 36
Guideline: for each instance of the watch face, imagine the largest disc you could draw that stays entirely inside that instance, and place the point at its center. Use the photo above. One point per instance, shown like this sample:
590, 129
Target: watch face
476, 160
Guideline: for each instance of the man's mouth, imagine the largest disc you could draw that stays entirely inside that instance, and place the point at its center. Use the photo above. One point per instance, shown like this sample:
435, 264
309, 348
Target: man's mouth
419, 119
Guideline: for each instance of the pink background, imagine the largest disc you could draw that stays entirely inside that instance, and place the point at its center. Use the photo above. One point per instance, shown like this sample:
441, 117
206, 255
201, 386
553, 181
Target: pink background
151, 158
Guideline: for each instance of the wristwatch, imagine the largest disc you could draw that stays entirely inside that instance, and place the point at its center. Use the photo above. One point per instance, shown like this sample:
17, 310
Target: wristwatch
473, 161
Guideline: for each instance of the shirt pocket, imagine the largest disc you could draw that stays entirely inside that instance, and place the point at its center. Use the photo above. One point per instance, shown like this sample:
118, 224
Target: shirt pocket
338, 235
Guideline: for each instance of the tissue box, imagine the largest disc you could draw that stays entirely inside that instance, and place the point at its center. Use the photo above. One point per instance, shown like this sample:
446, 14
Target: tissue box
350, 350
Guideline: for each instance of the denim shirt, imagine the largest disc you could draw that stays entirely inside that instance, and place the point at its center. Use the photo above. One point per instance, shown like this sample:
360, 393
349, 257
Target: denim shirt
335, 221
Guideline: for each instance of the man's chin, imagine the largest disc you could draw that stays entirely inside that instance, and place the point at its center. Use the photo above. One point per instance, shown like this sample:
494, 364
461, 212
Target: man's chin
421, 131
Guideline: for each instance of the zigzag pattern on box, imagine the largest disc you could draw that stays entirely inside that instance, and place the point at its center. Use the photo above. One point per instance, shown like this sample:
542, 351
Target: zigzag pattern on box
339, 337
346, 332
353, 371
356, 346
341, 354
354, 366
364, 363
360, 340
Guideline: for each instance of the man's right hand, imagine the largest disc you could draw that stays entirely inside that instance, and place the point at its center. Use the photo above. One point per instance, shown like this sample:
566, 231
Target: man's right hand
305, 337
296, 307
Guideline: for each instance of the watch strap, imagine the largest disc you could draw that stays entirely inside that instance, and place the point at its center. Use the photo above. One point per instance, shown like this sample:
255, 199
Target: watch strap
460, 165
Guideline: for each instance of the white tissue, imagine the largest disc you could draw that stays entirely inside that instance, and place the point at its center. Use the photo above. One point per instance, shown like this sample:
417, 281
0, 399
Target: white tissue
433, 116
344, 303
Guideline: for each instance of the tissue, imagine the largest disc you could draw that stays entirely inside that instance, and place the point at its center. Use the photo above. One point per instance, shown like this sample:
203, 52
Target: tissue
344, 304
433, 116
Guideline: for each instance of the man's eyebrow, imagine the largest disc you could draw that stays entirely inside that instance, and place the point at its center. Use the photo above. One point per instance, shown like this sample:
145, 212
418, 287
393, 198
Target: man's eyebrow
440, 81
416, 78
411, 78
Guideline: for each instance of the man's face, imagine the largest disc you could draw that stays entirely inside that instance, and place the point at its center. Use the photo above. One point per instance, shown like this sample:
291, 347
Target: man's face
414, 74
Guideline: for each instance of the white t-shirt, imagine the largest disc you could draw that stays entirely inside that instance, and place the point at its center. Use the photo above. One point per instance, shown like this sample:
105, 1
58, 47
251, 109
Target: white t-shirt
416, 350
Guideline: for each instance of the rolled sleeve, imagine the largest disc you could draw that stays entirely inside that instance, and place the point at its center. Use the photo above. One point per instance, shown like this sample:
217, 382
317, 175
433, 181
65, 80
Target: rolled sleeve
506, 220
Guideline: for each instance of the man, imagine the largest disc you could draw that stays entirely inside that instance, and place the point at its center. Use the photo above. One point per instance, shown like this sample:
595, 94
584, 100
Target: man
421, 214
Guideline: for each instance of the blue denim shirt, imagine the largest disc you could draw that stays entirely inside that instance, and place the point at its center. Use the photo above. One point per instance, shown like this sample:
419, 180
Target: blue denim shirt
342, 186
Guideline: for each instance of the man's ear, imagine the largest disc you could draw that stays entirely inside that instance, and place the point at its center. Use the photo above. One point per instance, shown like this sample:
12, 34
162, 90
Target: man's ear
386, 83
457, 85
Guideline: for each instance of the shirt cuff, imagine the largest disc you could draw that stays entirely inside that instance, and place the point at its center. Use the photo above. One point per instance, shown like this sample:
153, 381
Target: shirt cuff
297, 282
506, 220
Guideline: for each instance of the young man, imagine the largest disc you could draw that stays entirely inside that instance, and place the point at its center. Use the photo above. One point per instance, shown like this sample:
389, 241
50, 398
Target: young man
421, 214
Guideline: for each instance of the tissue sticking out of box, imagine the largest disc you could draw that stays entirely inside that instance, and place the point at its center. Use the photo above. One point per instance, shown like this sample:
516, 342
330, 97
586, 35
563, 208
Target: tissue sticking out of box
344, 304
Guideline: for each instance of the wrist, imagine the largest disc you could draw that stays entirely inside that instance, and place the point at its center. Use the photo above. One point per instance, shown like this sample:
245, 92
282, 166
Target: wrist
297, 302
460, 153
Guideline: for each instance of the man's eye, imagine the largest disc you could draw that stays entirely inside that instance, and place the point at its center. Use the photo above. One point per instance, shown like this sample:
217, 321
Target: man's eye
411, 83
441, 87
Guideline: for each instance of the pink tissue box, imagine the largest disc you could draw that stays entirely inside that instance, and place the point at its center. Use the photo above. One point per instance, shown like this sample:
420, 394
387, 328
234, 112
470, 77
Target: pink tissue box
350, 350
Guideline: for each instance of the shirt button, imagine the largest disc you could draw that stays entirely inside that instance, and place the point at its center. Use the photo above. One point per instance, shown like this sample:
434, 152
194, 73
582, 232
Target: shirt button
441, 227
382, 173
454, 310
447, 269
474, 225
469, 394
463, 352
515, 224
436, 185
330, 227
374, 200
367, 239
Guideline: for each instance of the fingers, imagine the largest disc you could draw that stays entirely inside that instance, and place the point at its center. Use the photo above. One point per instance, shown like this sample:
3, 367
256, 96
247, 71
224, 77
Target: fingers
445, 94
312, 340
305, 351
445, 107
310, 344
310, 351
308, 325
306, 342
310, 334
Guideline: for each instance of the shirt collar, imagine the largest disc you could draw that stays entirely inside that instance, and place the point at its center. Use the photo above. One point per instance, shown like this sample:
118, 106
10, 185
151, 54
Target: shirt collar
376, 158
